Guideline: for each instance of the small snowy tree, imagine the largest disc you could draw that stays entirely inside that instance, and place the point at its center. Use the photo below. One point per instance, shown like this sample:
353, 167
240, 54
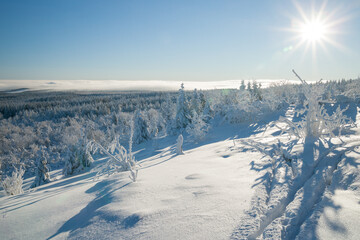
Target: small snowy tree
131, 162
179, 145
13, 184
42, 175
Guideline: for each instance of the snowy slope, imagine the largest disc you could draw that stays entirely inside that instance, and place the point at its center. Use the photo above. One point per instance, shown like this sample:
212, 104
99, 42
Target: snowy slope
226, 187
199, 195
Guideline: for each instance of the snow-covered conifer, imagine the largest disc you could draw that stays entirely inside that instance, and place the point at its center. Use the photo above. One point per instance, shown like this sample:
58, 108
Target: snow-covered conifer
195, 102
242, 86
141, 128
78, 159
198, 128
42, 174
179, 144
182, 118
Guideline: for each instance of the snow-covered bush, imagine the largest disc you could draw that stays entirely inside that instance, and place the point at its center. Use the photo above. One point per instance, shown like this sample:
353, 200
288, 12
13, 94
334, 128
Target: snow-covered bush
179, 144
13, 184
120, 159
315, 121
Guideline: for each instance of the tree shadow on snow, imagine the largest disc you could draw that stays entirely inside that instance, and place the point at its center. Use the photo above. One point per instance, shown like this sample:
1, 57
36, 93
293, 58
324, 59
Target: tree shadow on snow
45, 191
92, 211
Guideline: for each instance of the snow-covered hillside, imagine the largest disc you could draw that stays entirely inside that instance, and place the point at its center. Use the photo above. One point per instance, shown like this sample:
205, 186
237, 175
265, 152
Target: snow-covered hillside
226, 187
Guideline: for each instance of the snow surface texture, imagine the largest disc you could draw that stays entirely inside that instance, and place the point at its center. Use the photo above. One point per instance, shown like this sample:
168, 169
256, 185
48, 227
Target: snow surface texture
237, 184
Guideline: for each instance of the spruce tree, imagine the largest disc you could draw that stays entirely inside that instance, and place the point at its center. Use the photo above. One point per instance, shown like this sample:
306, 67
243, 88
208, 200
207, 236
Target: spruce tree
182, 118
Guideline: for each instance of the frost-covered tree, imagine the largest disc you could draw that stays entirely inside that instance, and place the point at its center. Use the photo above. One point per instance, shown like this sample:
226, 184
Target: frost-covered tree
256, 92
13, 184
42, 173
179, 144
195, 102
242, 86
141, 130
198, 128
78, 160
167, 108
182, 118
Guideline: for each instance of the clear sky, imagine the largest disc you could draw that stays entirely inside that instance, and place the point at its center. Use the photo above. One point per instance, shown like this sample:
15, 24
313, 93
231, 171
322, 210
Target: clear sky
200, 40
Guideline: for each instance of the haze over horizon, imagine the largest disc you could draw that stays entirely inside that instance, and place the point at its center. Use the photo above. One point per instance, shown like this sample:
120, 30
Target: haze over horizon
179, 40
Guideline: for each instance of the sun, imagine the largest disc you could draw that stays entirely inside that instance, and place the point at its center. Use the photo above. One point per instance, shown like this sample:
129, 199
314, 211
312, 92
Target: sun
313, 31
315, 28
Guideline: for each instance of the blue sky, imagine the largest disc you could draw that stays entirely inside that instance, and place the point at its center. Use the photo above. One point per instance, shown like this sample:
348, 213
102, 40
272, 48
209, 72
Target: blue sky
172, 40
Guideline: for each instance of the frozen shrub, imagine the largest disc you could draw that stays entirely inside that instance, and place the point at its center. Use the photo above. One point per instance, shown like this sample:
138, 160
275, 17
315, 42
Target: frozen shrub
13, 184
315, 121
119, 160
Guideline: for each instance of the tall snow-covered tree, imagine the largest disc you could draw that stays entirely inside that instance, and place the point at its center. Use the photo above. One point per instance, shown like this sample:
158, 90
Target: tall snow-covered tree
182, 118
167, 108
242, 86
195, 102
256, 92
141, 129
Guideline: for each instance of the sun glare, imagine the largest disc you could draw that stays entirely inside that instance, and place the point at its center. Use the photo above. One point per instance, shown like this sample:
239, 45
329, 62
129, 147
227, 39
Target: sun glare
314, 28
313, 31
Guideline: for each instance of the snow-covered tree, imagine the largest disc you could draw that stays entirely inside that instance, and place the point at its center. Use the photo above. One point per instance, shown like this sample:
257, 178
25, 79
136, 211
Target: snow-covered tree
13, 184
141, 130
167, 108
256, 92
182, 118
242, 86
179, 144
198, 128
42, 174
195, 102
79, 159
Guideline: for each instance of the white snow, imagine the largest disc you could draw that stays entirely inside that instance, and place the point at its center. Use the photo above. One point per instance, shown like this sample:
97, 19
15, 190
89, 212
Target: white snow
232, 185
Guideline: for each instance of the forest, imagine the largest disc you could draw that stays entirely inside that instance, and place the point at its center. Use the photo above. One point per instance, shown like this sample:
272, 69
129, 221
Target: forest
57, 126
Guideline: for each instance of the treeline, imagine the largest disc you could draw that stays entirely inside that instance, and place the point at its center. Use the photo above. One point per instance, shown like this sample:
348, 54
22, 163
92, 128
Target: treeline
57, 126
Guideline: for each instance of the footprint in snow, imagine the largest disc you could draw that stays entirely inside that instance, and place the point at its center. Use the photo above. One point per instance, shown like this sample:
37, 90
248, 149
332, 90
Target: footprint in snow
193, 176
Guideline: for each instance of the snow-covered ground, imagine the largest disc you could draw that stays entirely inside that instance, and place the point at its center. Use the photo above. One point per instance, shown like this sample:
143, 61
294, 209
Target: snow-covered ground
227, 187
